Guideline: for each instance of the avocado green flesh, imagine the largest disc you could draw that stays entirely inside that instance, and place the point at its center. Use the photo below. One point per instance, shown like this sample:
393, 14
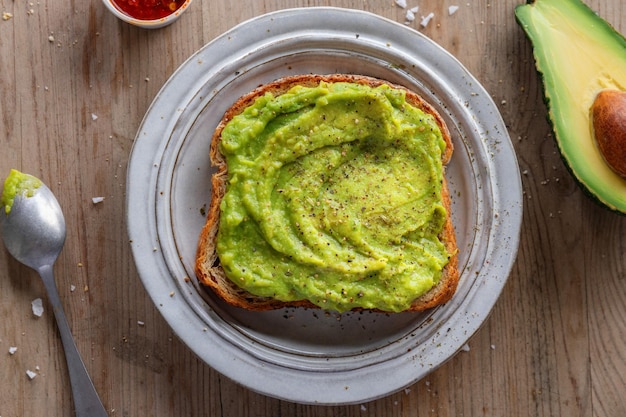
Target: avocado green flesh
334, 196
18, 183
578, 54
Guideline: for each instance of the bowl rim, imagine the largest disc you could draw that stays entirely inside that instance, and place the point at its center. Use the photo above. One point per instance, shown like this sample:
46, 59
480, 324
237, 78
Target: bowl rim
147, 23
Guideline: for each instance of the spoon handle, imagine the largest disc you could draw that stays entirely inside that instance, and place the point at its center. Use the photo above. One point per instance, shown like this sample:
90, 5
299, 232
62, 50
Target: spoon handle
86, 400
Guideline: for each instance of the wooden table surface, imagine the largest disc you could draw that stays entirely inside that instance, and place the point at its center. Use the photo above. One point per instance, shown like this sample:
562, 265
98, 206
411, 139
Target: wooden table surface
74, 85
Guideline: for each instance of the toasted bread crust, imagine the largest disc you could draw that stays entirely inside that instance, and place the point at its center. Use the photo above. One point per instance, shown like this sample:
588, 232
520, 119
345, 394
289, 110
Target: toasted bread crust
208, 269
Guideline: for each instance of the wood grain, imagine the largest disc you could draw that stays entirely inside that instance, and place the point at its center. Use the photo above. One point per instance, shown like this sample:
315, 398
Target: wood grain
74, 86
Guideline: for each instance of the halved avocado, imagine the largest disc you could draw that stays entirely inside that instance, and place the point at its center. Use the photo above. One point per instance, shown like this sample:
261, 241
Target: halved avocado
577, 54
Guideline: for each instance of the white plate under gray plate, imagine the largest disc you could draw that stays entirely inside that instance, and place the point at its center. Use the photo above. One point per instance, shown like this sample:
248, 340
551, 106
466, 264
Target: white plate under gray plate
300, 355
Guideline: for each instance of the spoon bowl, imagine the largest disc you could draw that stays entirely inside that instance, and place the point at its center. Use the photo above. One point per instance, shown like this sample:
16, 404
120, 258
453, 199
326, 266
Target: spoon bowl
33, 230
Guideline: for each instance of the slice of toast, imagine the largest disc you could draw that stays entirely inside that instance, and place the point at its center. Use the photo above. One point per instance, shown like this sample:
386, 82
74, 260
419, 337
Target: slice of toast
208, 268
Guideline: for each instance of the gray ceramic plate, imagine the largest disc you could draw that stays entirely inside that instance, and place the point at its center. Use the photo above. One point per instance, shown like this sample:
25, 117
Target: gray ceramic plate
304, 355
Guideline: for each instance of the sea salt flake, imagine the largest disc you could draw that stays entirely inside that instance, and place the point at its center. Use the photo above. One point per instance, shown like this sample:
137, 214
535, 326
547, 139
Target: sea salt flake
31, 375
466, 347
12, 350
426, 20
452, 10
37, 306
97, 200
401, 3
94, 116
410, 16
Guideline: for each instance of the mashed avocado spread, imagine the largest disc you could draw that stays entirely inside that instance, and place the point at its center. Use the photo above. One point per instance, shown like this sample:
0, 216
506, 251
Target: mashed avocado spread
334, 196
18, 183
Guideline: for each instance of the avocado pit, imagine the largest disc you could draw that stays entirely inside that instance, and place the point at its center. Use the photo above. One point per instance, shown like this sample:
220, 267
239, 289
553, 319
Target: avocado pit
608, 115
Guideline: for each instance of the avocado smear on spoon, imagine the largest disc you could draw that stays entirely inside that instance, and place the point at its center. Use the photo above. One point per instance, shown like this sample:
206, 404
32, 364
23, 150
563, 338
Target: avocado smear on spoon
18, 183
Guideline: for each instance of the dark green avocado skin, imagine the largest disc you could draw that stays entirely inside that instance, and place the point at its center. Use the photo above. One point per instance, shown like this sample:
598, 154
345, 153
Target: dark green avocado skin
577, 54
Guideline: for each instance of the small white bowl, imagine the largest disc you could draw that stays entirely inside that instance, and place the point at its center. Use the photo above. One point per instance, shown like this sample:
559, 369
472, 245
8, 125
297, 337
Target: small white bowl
143, 23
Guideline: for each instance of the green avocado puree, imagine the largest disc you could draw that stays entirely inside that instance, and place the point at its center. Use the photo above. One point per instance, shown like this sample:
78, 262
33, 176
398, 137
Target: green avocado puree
18, 183
334, 196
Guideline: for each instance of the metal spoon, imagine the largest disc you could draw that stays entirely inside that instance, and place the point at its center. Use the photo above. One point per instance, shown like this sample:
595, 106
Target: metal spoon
34, 233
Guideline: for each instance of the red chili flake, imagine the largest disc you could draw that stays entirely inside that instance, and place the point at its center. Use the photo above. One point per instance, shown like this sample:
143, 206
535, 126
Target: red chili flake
148, 9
